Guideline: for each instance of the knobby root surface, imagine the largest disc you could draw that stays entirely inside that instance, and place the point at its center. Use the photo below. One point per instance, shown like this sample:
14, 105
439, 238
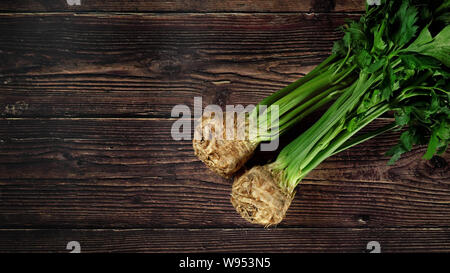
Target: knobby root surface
223, 156
257, 197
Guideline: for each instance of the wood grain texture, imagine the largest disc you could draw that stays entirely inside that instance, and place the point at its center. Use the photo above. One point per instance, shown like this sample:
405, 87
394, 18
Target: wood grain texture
228, 240
142, 65
86, 154
185, 5
130, 173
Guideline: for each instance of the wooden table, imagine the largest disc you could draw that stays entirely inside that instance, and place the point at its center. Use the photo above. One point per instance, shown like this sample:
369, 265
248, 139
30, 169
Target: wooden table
86, 155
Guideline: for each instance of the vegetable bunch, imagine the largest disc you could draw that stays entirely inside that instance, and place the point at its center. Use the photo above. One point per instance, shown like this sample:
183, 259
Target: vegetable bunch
225, 150
396, 58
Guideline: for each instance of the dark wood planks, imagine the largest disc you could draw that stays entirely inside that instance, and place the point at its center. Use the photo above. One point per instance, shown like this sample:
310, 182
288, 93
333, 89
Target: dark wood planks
111, 172
184, 6
130, 173
228, 240
108, 65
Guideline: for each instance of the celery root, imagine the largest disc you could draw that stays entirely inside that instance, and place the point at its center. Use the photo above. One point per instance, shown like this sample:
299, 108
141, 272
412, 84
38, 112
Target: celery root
406, 72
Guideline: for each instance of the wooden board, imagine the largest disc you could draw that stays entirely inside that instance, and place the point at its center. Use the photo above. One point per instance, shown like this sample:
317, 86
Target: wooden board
184, 5
130, 173
281, 240
86, 93
143, 65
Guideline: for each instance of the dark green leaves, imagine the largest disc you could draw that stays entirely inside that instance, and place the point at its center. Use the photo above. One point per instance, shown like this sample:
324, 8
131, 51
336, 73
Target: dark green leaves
354, 36
338, 48
428, 119
437, 47
402, 117
363, 58
432, 146
387, 85
419, 62
408, 139
370, 99
378, 44
404, 23
377, 64
411, 69
438, 140
423, 39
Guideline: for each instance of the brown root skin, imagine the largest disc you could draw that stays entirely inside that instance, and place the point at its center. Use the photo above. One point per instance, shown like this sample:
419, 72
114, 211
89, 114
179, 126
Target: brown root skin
222, 156
257, 197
